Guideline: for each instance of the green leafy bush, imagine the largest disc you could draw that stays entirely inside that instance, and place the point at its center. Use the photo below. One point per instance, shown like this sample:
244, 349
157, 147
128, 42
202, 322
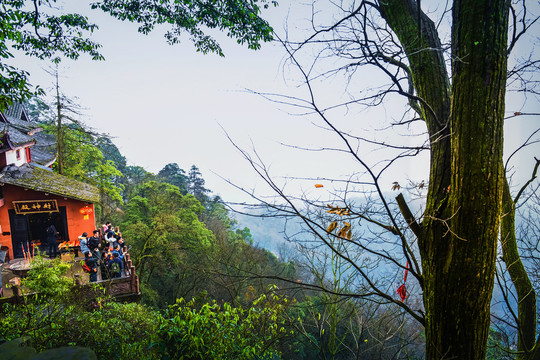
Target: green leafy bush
48, 277
215, 331
187, 330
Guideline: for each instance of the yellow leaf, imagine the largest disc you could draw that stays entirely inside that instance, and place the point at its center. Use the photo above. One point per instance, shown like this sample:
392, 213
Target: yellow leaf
331, 227
344, 211
319, 186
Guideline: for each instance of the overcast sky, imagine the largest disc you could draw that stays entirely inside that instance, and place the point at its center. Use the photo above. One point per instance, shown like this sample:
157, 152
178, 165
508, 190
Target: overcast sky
164, 104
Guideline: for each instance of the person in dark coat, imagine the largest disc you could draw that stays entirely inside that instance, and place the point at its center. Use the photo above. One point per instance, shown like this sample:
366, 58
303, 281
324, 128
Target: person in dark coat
106, 257
52, 245
117, 249
94, 243
115, 266
92, 263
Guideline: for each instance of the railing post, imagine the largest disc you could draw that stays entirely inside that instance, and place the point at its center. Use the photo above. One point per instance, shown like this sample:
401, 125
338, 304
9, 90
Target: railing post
134, 284
78, 280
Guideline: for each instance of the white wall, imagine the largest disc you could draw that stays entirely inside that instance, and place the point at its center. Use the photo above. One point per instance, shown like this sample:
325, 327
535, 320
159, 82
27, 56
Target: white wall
11, 157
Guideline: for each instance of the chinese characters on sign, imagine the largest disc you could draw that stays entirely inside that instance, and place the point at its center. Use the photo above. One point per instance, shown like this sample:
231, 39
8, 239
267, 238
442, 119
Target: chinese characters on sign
35, 206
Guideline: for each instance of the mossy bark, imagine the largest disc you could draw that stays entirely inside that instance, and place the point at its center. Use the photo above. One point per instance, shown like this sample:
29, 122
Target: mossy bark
524, 289
465, 124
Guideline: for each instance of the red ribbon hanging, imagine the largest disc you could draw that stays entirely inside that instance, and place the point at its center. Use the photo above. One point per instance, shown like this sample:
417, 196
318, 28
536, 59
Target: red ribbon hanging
402, 291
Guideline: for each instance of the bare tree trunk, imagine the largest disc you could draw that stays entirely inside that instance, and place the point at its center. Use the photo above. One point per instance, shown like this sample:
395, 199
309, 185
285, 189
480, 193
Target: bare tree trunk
59, 134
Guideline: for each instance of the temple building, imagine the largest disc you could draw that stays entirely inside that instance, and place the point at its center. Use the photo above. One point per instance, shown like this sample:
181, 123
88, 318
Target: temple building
32, 196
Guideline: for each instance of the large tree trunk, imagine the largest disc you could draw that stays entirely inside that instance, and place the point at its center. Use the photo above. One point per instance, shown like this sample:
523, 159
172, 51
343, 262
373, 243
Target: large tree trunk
479, 42
461, 221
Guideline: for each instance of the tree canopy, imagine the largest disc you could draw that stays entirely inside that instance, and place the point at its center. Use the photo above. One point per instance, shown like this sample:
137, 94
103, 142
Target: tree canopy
237, 18
27, 27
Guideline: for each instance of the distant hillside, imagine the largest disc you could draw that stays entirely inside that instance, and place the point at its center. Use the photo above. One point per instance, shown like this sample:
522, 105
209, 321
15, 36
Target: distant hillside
268, 233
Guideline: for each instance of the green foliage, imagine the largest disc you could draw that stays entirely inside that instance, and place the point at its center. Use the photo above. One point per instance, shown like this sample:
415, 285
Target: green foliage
79, 149
38, 110
48, 277
116, 331
111, 152
172, 174
159, 215
223, 332
168, 240
134, 176
84, 161
196, 185
237, 18
33, 28
217, 219
497, 345
44, 315
193, 330
42, 320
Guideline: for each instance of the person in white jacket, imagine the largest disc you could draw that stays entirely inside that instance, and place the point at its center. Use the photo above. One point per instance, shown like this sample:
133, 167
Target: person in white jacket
110, 238
84, 243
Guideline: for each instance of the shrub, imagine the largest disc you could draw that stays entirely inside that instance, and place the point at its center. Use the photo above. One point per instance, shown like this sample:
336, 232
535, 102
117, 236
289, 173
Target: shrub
221, 331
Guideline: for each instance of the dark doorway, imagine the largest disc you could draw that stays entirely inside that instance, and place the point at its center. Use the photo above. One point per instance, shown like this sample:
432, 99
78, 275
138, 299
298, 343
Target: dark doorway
32, 227
19, 233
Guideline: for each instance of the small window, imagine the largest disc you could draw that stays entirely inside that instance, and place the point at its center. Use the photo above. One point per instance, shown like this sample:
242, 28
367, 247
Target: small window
18, 154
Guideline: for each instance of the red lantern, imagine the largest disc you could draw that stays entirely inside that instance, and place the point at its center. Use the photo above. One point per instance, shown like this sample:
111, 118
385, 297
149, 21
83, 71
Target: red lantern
86, 211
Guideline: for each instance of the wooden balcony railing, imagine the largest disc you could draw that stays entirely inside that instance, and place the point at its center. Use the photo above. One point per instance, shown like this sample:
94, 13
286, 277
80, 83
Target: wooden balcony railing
124, 287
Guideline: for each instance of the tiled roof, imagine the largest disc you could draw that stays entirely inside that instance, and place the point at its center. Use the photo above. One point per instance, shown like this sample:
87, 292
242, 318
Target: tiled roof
16, 111
29, 127
35, 178
22, 132
44, 151
16, 136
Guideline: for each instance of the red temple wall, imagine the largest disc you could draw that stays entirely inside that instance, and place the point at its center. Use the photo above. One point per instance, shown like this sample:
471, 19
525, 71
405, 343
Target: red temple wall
75, 220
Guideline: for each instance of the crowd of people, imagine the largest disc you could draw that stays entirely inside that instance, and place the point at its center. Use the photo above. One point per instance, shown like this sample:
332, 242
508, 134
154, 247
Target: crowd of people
103, 251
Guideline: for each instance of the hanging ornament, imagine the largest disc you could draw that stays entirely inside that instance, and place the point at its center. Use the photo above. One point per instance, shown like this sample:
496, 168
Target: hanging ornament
86, 211
402, 290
